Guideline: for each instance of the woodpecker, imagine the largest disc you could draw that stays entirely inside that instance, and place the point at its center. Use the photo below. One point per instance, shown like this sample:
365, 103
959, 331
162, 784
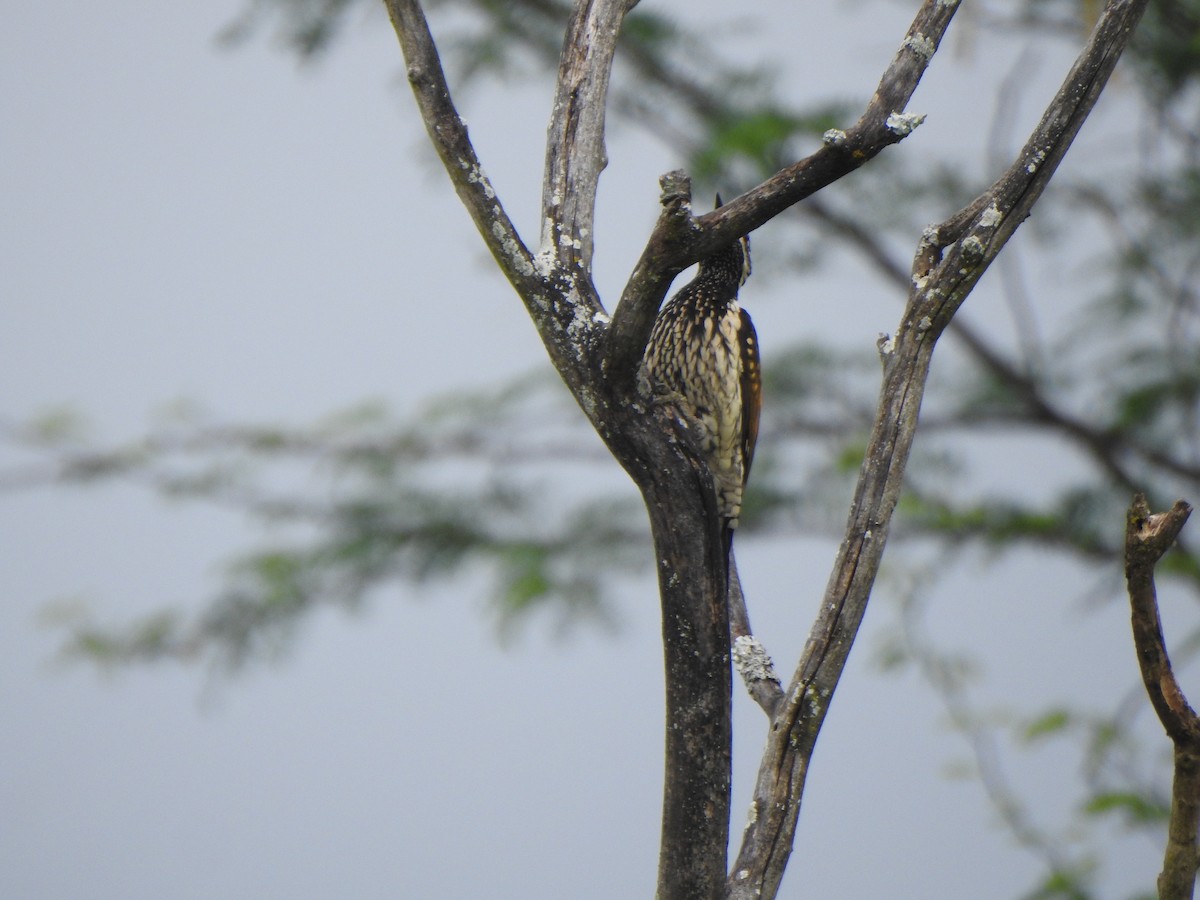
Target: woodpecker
703, 357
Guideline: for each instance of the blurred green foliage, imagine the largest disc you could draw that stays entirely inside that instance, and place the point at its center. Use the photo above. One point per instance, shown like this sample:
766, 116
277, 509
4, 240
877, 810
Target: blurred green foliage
479, 485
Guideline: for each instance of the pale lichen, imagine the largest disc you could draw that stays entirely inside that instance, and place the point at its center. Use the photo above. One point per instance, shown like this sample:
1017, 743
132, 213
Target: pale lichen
545, 262
548, 249
582, 324
510, 248
991, 217
921, 45
475, 175
903, 123
816, 701
834, 137
972, 250
751, 659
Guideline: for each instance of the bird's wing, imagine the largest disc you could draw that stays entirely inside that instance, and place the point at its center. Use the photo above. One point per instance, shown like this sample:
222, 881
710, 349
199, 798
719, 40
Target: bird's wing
751, 391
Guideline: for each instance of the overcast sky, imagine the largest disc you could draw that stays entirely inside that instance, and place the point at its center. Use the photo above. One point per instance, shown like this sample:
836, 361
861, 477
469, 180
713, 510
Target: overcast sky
274, 243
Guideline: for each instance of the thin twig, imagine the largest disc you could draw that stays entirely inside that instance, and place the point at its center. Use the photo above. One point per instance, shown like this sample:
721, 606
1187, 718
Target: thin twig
750, 657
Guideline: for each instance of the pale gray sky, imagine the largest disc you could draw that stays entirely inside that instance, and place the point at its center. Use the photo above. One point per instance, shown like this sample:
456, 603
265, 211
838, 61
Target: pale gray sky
274, 243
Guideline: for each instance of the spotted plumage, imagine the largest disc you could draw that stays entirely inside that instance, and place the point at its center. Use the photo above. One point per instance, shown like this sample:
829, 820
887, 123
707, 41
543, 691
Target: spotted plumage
703, 357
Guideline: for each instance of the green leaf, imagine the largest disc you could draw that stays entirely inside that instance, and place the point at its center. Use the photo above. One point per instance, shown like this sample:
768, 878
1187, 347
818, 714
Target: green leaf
1048, 723
1137, 809
758, 137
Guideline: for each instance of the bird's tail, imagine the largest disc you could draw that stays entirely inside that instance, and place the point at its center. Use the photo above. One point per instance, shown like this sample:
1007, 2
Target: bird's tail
738, 620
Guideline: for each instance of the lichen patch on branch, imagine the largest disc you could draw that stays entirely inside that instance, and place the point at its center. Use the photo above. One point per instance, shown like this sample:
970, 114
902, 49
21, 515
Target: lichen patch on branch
509, 247
751, 659
991, 217
475, 175
921, 45
903, 124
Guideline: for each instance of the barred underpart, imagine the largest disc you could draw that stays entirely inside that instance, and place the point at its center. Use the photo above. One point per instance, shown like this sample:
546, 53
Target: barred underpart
703, 358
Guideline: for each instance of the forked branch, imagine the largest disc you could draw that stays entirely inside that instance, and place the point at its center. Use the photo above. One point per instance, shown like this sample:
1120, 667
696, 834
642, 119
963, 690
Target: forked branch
949, 262
555, 285
676, 243
566, 310
1147, 537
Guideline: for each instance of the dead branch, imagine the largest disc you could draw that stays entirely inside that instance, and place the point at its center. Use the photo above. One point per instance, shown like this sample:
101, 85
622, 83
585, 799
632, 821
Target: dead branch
949, 262
575, 140
566, 312
678, 240
556, 288
1147, 537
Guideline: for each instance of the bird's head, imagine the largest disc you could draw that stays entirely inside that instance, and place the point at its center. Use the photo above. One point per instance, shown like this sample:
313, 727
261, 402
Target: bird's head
733, 260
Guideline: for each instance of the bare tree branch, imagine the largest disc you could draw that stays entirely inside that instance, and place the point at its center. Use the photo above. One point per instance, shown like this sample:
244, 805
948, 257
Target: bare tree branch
675, 483
567, 318
679, 240
689, 553
556, 288
750, 657
949, 262
575, 153
448, 133
1147, 537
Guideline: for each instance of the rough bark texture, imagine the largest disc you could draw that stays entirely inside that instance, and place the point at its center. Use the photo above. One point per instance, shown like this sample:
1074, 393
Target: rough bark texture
949, 262
1147, 537
563, 305
575, 154
689, 557
598, 359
